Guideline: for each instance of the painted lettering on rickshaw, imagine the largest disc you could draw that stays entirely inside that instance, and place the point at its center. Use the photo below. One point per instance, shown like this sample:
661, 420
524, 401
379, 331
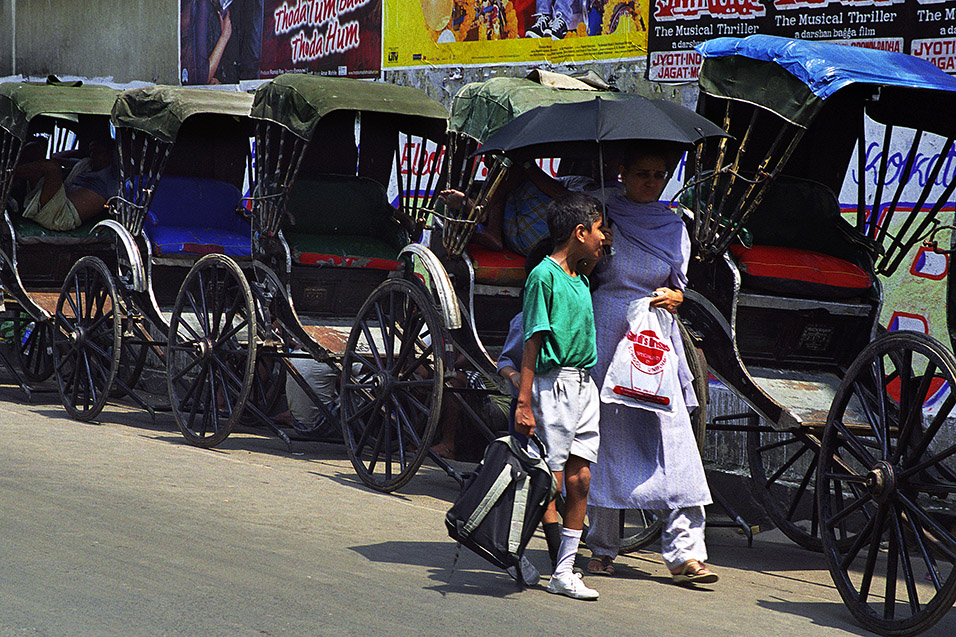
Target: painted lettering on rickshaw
669, 10
896, 162
336, 37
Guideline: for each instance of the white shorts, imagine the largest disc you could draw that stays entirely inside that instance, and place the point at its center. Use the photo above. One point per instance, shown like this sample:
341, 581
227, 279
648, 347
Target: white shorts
56, 214
566, 411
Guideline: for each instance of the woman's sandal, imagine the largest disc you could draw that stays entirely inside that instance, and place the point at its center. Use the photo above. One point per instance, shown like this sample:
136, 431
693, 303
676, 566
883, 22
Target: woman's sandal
600, 565
694, 572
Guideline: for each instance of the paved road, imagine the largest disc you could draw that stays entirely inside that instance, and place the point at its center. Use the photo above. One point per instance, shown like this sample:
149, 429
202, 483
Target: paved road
120, 528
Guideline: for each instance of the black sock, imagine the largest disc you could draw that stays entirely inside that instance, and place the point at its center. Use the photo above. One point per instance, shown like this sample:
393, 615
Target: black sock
552, 535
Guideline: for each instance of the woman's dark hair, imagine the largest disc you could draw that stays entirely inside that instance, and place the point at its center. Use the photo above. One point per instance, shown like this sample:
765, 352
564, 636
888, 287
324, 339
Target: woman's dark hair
570, 211
536, 254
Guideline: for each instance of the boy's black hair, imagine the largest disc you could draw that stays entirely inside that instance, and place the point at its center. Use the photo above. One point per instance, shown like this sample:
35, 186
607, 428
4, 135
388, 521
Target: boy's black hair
570, 211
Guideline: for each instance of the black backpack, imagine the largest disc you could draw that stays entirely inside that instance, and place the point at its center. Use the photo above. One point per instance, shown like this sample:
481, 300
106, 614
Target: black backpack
501, 504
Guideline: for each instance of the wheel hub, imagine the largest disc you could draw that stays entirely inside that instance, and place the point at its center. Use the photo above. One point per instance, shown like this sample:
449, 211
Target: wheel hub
382, 383
78, 335
205, 348
881, 481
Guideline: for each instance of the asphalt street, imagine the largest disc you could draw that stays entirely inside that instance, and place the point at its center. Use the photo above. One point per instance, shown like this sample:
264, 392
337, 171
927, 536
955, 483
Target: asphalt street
120, 528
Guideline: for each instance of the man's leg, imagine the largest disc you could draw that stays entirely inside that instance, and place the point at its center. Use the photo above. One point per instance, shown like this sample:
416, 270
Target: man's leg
49, 171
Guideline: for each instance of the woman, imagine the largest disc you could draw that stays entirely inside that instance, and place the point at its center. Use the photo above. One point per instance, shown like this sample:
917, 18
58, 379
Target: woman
647, 460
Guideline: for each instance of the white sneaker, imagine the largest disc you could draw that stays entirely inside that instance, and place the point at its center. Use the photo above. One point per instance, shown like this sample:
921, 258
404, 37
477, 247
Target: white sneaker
529, 574
572, 586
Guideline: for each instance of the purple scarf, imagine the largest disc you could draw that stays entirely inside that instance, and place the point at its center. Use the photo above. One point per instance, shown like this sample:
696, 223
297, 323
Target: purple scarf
652, 226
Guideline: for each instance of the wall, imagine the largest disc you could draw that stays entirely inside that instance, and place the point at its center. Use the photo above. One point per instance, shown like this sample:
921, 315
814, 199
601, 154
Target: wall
6, 37
442, 83
125, 39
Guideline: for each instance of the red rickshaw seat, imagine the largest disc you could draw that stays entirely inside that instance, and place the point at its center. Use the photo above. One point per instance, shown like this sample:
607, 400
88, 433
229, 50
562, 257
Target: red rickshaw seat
791, 271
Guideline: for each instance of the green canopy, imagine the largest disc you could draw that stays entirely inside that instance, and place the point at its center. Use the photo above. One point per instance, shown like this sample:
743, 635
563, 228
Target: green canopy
160, 110
20, 102
764, 84
298, 101
481, 108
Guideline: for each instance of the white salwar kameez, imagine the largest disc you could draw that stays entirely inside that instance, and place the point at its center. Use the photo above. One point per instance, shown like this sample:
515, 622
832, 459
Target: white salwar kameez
646, 460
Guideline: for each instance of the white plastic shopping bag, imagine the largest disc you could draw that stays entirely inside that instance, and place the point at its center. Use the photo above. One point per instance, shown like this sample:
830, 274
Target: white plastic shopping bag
643, 370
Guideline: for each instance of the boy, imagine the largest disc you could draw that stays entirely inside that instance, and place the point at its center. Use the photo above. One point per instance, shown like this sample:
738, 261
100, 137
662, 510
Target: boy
557, 398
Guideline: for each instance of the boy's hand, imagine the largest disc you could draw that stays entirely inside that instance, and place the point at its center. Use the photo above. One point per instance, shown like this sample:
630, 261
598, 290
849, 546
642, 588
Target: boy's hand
524, 420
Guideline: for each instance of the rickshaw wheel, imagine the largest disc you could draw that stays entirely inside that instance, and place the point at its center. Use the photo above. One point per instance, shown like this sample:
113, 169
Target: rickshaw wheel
391, 400
35, 352
86, 338
887, 478
641, 527
268, 383
212, 348
132, 362
771, 455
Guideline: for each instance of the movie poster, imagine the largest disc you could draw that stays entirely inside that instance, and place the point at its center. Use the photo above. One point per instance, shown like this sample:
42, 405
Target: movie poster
224, 41
480, 32
924, 28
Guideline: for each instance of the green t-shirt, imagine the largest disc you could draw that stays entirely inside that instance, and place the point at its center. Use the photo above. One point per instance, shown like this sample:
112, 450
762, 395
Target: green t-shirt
560, 305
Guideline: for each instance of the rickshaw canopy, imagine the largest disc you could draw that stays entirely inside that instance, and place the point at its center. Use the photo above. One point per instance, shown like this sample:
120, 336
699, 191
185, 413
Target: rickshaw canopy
161, 110
793, 78
481, 108
20, 102
298, 101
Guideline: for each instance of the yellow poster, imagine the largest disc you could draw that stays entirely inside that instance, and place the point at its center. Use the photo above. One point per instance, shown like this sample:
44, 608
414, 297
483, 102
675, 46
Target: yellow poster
428, 33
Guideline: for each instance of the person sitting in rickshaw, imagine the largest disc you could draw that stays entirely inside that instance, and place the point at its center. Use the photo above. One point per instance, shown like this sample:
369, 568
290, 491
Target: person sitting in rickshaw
516, 217
64, 203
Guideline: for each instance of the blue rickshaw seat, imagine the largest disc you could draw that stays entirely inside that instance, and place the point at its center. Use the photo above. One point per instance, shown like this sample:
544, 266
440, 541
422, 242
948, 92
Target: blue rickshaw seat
197, 216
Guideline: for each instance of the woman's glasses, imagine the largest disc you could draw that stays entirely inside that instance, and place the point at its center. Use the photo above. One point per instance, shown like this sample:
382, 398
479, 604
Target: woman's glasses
659, 175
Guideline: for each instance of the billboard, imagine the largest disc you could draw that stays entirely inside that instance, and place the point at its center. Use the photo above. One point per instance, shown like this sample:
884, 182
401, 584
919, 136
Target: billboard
432, 33
224, 41
924, 28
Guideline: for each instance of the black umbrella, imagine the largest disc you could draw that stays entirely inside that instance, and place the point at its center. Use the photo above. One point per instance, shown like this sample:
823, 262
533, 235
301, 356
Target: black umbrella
577, 129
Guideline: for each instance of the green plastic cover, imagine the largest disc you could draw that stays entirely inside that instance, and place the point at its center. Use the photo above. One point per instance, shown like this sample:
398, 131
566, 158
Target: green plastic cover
20, 102
764, 84
298, 101
160, 110
481, 108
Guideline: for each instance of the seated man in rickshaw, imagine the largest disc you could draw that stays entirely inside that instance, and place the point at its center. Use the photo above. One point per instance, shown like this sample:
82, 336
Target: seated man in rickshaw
516, 216
64, 203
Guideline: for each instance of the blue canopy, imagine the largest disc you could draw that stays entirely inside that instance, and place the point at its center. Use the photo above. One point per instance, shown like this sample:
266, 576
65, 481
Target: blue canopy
806, 72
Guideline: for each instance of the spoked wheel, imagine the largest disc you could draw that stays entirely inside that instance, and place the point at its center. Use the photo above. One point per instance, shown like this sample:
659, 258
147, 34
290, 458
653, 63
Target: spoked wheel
268, 382
887, 477
86, 338
212, 346
35, 350
640, 527
783, 465
392, 381
132, 360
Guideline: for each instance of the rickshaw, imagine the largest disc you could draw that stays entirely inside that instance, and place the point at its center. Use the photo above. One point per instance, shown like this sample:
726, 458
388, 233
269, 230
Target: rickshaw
324, 233
45, 119
454, 307
850, 427
183, 156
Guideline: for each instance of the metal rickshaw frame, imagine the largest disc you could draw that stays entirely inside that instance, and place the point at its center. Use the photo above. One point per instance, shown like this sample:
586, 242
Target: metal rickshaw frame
293, 113
23, 107
101, 344
798, 111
